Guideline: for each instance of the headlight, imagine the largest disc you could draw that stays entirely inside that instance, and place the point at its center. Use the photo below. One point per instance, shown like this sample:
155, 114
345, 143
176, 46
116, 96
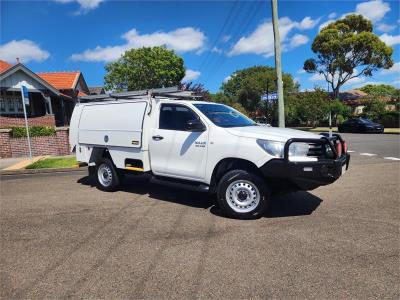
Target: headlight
272, 148
298, 149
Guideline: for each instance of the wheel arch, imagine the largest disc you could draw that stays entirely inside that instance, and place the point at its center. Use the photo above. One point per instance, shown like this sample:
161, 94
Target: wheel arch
231, 163
99, 153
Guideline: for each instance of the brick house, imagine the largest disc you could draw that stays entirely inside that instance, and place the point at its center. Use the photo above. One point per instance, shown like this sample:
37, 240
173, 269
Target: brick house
96, 90
52, 95
357, 99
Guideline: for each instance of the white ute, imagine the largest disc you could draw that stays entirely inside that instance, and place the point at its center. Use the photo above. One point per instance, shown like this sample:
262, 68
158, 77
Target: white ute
200, 145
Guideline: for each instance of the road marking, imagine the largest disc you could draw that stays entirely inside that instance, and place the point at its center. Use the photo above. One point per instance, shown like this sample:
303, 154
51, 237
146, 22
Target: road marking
350, 151
367, 154
392, 158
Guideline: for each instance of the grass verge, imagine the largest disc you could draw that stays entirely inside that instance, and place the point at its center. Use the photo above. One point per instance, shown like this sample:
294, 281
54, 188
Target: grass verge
392, 130
54, 163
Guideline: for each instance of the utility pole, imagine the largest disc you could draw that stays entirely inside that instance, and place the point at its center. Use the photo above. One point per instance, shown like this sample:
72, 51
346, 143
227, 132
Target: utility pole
278, 68
330, 113
267, 102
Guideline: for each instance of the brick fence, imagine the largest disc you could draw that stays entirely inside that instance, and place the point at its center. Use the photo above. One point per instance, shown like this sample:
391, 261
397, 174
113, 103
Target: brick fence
41, 145
47, 120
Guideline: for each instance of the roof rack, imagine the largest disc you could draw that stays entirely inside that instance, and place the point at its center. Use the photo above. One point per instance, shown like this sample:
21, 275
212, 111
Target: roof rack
171, 92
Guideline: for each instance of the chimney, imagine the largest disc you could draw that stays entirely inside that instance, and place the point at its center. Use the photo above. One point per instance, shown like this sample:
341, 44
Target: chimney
17, 60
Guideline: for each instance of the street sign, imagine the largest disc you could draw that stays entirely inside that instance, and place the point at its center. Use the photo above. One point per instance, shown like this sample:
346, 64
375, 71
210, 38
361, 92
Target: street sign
270, 96
25, 95
25, 101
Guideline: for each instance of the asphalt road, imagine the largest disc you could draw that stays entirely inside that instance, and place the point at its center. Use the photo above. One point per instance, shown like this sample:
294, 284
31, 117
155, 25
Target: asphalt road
373, 146
62, 238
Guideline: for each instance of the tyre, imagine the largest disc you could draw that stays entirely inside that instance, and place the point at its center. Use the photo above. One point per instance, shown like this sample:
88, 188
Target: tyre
242, 195
106, 175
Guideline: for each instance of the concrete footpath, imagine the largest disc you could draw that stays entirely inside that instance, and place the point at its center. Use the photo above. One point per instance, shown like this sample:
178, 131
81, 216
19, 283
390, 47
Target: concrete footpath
18, 163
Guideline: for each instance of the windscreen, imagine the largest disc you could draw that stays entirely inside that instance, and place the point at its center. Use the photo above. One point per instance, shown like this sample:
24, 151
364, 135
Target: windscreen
224, 116
366, 121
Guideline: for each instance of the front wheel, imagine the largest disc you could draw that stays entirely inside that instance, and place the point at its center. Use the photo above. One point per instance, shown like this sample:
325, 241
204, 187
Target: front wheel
243, 195
106, 175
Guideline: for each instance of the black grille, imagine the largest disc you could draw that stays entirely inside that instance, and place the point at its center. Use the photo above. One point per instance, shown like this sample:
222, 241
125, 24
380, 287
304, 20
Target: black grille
316, 150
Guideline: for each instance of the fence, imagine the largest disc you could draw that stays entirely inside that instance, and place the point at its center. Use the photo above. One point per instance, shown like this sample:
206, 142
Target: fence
41, 145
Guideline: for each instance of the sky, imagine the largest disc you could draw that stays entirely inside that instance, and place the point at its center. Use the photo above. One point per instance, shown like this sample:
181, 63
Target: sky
215, 38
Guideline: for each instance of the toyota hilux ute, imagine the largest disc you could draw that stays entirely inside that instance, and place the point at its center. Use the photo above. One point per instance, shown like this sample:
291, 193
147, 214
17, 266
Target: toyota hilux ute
202, 146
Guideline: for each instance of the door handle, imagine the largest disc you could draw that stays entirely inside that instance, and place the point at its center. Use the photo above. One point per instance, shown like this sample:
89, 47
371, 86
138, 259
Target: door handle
157, 137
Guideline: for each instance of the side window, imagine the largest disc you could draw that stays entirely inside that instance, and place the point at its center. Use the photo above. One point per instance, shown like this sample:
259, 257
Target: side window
175, 117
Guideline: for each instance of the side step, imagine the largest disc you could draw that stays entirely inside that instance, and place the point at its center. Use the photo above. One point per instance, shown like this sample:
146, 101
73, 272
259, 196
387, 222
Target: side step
179, 183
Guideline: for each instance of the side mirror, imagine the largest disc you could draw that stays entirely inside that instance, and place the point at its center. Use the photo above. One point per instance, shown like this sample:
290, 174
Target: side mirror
195, 125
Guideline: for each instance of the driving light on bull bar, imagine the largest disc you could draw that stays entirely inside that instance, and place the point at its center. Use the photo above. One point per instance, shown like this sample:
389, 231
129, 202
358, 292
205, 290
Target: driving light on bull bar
298, 149
271, 147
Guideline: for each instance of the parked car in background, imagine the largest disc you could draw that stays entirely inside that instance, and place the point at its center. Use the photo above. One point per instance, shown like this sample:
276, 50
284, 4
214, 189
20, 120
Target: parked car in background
361, 125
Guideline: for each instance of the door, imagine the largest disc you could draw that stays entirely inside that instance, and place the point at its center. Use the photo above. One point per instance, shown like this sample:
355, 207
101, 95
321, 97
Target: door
174, 150
349, 125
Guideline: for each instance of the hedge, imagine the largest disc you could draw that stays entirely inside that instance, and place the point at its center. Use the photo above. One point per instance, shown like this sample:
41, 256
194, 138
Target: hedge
19, 132
390, 119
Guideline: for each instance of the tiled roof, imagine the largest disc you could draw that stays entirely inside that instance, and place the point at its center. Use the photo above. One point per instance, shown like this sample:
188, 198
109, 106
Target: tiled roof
4, 66
61, 80
81, 94
96, 90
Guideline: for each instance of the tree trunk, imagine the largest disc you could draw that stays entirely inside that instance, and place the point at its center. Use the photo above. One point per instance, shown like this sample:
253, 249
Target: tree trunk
336, 93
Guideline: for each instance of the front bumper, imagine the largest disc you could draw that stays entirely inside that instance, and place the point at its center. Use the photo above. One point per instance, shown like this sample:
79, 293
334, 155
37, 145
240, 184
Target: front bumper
306, 175
374, 129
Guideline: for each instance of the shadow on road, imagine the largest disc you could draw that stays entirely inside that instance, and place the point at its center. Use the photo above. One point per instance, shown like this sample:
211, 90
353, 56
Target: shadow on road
282, 205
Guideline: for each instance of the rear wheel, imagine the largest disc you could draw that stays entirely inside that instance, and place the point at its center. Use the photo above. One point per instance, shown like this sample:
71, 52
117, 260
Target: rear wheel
242, 195
106, 175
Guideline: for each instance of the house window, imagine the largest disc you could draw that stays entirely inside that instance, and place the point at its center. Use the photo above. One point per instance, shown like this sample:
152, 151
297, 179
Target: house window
20, 108
11, 104
2, 104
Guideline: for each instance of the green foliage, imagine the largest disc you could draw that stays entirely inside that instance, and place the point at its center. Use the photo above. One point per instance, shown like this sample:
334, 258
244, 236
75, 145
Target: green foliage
221, 98
239, 108
57, 162
224, 99
340, 111
345, 45
380, 90
145, 68
390, 119
340, 119
308, 108
18, 132
374, 108
247, 85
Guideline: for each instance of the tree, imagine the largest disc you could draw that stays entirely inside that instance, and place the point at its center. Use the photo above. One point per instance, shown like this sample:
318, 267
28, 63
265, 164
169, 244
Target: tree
145, 68
247, 85
224, 99
374, 108
221, 98
307, 108
348, 49
379, 90
340, 111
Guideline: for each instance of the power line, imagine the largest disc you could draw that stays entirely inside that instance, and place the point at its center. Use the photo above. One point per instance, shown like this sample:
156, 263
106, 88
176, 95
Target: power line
253, 11
227, 20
